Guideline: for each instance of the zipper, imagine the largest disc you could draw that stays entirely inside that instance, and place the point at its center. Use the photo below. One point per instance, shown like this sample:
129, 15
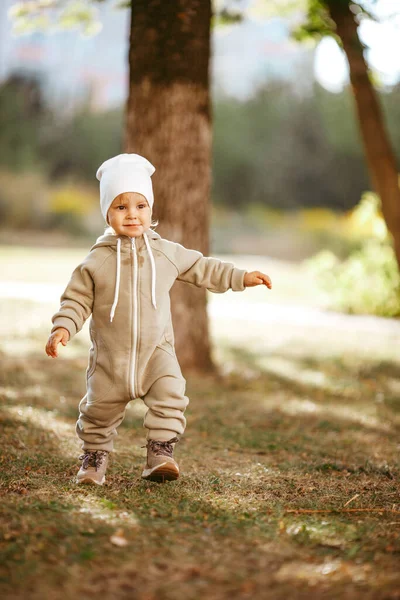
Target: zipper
135, 319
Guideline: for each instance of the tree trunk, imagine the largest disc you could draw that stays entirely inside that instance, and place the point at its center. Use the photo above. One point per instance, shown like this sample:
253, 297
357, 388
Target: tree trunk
379, 152
169, 122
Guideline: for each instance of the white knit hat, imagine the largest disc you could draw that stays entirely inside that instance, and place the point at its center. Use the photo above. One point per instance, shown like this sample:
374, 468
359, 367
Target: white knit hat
124, 173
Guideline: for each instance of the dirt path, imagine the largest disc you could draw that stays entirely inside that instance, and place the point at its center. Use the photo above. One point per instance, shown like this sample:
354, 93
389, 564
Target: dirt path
290, 462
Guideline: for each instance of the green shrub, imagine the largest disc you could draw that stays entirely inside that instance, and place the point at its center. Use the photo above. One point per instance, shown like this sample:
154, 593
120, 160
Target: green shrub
368, 282
28, 201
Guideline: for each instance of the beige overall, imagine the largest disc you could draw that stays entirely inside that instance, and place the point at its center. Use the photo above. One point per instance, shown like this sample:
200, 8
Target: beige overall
124, 284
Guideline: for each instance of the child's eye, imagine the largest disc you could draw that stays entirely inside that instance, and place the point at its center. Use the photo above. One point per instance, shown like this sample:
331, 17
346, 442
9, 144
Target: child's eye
142, 206
120, 207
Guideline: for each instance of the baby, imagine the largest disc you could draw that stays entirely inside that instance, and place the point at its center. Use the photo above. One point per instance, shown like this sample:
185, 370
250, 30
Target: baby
124, 283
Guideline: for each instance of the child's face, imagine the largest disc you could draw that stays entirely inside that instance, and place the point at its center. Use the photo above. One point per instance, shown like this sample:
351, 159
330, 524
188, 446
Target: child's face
129, 214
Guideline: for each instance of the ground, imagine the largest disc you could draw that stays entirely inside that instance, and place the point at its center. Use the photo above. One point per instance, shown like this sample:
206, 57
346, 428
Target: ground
290, 462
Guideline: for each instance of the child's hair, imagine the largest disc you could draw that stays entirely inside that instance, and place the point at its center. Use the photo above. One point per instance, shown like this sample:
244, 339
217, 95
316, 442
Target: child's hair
110, 231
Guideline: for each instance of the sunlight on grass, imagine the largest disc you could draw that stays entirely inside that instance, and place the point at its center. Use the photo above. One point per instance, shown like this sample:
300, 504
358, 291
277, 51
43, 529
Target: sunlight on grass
297, 406
48, 421
333, 570
323, 533
294, 371
104, 510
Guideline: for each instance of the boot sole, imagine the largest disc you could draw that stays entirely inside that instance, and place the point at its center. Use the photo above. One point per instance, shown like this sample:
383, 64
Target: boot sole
89, 481
162, 473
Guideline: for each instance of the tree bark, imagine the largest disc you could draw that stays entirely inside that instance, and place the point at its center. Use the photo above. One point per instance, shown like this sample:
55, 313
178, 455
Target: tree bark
379, 152
168, 121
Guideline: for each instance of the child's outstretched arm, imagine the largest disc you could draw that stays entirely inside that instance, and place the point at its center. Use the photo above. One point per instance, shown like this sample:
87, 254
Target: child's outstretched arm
212, 273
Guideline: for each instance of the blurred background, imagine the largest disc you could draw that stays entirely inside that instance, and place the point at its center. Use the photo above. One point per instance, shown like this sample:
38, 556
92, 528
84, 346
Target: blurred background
289, 175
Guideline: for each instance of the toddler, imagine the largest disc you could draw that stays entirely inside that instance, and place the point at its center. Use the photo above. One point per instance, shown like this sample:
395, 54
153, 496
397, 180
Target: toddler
124, 284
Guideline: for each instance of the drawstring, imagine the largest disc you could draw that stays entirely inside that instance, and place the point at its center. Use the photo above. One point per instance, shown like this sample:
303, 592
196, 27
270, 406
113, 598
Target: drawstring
117, 281
153, 271
114, 306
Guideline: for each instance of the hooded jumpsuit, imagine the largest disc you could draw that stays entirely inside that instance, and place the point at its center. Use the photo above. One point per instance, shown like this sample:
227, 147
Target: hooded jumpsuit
124, 284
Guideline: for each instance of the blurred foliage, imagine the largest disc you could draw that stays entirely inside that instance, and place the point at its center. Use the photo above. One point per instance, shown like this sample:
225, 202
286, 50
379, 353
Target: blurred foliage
286, 150
48, 160
28, 16
368, 281
30, 202
312, 14
318, 23
366, 220
278, 149
23, 199
51, 15
71, 198
319, 219
79, 144
284, 165
23, 115
350, 229
33, 135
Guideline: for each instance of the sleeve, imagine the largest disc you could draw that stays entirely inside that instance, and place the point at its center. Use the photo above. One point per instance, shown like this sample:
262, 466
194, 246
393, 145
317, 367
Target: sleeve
207, 272
76, 301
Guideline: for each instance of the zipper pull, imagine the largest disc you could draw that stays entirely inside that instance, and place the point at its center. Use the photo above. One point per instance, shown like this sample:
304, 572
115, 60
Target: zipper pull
133, 243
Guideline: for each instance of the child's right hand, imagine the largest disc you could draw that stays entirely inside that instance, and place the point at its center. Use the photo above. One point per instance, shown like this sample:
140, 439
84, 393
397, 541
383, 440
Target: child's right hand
59, 335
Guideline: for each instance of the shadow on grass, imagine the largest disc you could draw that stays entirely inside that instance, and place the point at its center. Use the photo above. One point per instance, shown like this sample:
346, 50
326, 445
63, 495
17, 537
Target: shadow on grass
57, 536
266, 416
210, 532
328, 381
53, 530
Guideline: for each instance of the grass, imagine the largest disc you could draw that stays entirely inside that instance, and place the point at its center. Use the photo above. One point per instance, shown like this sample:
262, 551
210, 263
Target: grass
289, 487
225, 528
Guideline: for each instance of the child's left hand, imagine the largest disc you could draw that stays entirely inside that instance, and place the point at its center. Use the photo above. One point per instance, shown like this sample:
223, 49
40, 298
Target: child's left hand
257, 278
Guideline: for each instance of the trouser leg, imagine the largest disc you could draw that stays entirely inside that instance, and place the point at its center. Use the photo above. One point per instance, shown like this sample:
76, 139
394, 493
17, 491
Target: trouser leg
98, 422
166, 402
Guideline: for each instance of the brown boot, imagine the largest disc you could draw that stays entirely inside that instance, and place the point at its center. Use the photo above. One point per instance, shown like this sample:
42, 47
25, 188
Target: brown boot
93, 468
160, 464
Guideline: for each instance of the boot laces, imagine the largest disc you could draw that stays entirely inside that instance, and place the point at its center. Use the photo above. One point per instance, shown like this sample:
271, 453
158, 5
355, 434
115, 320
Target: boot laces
93, 458
161, 448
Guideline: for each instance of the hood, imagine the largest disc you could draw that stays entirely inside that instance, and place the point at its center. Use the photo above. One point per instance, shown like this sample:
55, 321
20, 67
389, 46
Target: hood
113, 240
